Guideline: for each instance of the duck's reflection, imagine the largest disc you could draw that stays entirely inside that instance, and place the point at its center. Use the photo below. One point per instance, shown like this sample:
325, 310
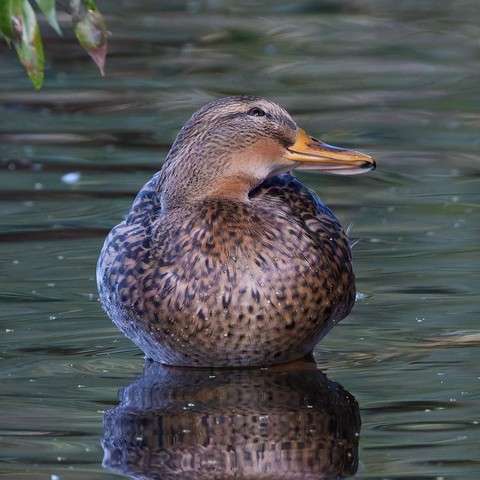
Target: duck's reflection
286, 422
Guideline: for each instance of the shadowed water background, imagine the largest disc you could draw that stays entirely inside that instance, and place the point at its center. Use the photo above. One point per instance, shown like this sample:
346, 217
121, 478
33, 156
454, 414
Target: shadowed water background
398, 80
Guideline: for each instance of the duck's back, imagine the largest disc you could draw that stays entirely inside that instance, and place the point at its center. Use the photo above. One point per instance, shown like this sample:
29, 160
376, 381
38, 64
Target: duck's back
225, 282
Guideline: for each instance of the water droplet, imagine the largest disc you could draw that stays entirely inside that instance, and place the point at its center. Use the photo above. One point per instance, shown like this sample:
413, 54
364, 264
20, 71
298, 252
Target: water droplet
71, 178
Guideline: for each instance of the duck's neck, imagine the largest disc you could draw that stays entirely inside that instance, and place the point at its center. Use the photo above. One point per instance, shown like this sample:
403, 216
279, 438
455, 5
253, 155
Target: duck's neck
184, 184
236, 187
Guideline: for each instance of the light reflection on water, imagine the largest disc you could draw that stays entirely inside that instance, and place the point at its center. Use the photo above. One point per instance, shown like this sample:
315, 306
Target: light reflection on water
285, 422
397, 80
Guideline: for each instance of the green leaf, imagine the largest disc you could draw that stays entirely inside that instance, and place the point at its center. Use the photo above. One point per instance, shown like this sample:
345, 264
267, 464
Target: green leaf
90, 30
6, 26
48, 9
18, 24
28, 41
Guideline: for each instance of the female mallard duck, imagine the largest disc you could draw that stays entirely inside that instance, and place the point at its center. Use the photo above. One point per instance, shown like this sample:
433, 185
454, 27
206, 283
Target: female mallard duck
225, 259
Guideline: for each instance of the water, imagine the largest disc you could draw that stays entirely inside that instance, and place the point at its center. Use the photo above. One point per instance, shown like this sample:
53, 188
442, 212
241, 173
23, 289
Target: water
397, 80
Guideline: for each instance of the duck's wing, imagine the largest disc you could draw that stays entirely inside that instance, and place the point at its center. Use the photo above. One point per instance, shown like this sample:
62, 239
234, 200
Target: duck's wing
305, 204
147, 202
303, 207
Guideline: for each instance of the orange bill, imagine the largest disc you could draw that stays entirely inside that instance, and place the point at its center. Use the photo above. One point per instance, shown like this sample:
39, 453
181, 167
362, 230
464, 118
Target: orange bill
312, 154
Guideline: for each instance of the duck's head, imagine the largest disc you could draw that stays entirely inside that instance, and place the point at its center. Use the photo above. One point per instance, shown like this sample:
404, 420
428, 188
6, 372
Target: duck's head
231, 145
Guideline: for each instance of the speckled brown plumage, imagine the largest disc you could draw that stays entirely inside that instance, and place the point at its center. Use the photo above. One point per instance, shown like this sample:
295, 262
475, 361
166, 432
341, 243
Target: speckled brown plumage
216, 266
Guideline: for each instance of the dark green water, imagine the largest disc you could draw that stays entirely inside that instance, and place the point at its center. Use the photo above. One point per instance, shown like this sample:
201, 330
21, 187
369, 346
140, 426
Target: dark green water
398, 80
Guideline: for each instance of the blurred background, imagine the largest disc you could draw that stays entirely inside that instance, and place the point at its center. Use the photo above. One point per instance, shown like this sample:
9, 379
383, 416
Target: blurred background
397, 80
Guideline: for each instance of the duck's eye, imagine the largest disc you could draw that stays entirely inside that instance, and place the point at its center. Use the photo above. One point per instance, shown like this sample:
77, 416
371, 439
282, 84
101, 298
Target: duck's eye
256, 112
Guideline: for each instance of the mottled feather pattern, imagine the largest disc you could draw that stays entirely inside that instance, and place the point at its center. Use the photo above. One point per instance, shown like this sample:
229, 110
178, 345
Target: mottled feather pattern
225, 258
227, 270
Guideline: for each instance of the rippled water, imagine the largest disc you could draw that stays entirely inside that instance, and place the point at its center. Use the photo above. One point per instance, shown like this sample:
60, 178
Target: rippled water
398, 80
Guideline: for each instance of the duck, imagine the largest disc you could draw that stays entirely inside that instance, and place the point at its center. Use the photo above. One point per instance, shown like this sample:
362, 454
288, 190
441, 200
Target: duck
225, 258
